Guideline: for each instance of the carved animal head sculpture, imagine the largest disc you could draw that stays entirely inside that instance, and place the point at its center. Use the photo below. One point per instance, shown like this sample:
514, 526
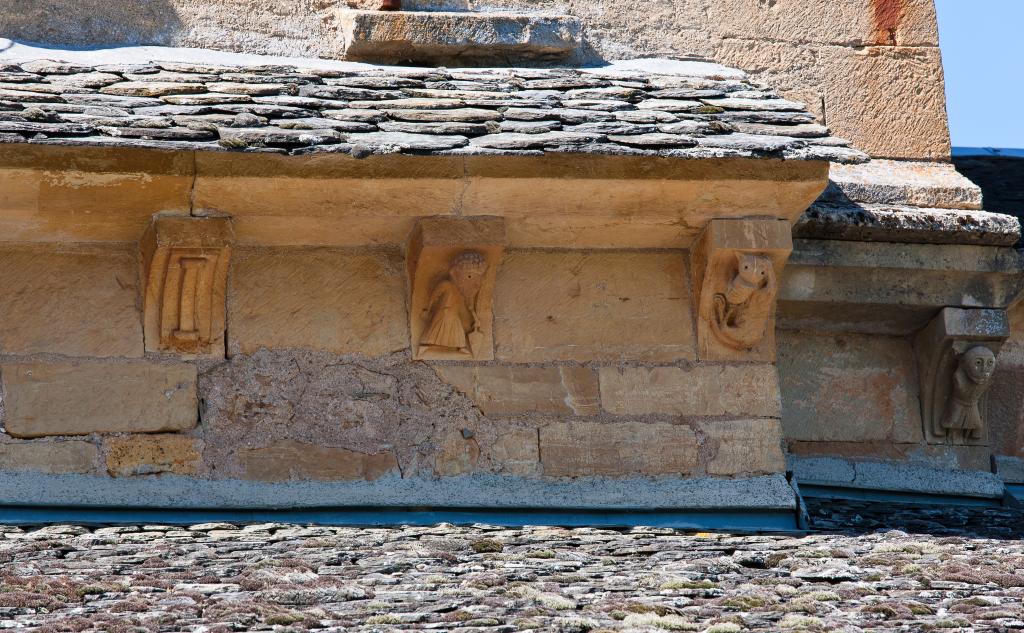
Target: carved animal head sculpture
752, 269
979, 363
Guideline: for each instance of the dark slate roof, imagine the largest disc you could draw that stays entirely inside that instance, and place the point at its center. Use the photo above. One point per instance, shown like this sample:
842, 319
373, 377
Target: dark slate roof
707, 111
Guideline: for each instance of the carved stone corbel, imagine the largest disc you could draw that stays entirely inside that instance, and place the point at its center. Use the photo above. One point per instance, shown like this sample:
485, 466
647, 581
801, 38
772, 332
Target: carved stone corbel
956, 357
184, 271
736, 266
452, 265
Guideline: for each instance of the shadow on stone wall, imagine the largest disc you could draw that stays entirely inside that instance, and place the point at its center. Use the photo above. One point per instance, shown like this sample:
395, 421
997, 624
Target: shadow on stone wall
90, 23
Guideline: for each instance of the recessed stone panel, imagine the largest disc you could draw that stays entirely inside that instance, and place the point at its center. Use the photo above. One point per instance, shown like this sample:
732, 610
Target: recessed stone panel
593, 306
287, 459
848, 388
617, 449
74, 302
50, 457
702, 390
332, 300
744, 447
83, 398
517, 389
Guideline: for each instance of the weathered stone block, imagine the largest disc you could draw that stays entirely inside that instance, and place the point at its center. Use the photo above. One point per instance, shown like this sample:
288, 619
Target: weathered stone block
516, 452
920, 184
152, 454
50, 457
744, 447
516, 389
703, 390
457, 454
593, 306
617, 449
82, 398
848, 388
285, 460
51, 191
76, 302
338, 301
440, 36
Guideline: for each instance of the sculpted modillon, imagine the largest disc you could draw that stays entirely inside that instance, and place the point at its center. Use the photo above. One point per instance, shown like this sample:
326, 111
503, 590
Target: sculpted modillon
742, 312
971, 380
450, 314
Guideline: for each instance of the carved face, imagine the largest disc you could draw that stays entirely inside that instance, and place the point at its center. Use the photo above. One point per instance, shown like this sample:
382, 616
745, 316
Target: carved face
979, 363
467, 272
753, 269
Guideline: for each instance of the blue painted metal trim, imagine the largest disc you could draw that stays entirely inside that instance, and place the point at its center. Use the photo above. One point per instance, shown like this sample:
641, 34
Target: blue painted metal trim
813, 491
733, 521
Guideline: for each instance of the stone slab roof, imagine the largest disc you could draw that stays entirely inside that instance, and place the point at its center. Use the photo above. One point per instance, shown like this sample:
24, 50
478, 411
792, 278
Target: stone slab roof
677, 109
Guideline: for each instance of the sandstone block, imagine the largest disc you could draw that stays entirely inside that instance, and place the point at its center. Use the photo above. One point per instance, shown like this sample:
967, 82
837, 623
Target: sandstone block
152, 454
511, 390
744, 447
331, 300
617, 449
897, 89
92, 194
516, 452
593, 306
848, 388
58, 458
441, 36
82, 398
290, 460
703, 390
920, 184
47, 294
853, 22
456, 455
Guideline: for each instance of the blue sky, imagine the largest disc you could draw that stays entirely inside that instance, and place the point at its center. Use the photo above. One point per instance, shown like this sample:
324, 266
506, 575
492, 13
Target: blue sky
983, 55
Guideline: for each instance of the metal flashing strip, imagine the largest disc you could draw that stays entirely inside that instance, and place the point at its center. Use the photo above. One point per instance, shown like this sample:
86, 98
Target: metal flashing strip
752, 521
826, 491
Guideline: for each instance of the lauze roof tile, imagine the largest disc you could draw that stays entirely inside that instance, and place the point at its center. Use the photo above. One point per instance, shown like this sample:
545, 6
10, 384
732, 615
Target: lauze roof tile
383, 110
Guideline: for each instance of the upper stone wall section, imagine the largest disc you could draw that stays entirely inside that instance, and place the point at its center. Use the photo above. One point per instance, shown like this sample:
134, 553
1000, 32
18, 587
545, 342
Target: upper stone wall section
869, 69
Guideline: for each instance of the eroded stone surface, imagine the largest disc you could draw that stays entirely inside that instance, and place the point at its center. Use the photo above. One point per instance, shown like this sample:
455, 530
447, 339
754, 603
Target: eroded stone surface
152, 454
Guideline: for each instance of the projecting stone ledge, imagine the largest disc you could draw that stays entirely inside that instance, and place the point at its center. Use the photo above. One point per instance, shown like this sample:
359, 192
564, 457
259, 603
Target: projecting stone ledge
441, 37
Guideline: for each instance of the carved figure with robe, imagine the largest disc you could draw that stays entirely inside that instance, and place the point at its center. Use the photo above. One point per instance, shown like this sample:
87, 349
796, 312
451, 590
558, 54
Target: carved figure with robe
450, 314
971, 381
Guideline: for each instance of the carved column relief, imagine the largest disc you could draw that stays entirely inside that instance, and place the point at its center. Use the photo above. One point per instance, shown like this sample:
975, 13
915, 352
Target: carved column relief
736, 266
956, 358
185, 267
452, 265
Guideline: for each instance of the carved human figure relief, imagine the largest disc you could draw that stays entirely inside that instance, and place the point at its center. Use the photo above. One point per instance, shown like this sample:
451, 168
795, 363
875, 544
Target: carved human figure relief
970, 382
452, 264
450, 316
956, 360
743, 311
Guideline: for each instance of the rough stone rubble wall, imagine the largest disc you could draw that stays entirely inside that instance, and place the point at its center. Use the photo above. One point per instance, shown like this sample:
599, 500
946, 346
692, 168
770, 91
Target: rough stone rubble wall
870, 69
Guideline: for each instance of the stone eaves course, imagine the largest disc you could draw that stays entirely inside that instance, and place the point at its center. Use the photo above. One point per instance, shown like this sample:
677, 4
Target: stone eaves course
649, 108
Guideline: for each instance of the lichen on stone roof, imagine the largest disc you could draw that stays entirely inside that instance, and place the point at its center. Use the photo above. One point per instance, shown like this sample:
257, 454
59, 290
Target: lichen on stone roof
641, 108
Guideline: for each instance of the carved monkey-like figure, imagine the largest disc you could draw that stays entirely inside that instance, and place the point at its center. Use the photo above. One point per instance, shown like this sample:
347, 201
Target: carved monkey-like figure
971, 380
453, 325
741, 314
